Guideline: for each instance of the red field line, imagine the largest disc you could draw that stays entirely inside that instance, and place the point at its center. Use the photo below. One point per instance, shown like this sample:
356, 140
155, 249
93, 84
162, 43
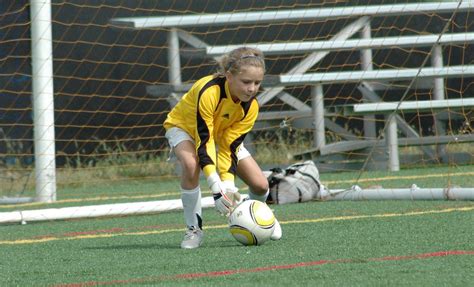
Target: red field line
266, 268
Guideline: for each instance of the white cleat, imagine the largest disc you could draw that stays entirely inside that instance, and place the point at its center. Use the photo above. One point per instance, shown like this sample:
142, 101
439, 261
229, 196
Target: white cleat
277, 231
192, 238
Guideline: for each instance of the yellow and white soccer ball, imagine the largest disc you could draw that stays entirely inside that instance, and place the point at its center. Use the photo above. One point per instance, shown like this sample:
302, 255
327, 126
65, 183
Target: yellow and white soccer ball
252, 222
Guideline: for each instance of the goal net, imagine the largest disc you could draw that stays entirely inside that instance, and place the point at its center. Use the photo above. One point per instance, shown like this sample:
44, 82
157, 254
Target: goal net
378, 95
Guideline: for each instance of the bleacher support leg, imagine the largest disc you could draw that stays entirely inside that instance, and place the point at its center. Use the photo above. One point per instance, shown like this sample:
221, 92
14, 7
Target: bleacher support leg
174, 62
392, 143
438, 94
317, 95
366, 65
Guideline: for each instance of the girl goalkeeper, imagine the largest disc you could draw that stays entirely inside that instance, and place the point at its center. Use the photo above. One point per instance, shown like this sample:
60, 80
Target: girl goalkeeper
206, 130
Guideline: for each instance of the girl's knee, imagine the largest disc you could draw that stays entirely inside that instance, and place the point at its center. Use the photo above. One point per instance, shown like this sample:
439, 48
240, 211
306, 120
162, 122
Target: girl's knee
190, 170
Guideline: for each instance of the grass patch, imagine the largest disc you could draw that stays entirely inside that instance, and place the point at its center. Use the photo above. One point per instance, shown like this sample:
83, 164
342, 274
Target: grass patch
321, 241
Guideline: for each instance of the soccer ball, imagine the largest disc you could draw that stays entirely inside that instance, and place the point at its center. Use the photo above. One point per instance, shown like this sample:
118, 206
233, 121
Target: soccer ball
252, 222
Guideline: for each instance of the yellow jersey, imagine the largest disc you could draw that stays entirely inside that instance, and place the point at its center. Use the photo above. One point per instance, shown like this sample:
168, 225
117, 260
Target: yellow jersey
217, 124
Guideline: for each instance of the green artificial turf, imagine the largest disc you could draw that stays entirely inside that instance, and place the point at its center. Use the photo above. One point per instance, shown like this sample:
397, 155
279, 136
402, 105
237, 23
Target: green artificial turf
324, 243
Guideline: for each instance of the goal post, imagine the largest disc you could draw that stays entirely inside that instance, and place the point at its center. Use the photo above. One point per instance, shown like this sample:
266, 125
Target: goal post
43, 100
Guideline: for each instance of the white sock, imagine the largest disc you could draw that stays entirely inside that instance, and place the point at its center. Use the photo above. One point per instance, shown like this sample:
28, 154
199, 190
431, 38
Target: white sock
261, 198
191, 199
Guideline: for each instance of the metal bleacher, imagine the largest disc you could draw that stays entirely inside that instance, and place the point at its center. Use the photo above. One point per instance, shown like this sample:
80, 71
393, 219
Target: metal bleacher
315, 116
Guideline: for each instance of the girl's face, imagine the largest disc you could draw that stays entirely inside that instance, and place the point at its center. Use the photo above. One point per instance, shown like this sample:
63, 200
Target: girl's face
244, 85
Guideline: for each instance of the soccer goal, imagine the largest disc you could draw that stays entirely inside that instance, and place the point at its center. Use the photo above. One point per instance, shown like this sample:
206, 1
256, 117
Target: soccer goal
380, 96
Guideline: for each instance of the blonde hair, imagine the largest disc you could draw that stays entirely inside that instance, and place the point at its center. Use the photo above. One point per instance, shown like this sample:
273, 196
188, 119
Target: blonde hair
234, 60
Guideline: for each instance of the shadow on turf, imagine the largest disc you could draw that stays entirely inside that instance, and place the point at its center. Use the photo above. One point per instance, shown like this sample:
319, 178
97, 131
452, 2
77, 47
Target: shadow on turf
221, 244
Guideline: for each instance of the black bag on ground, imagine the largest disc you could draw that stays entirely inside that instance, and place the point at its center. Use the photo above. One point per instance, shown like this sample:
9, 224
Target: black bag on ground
299, 182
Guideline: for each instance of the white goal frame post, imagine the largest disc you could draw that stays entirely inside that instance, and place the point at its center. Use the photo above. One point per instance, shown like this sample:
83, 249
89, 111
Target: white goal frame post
43, 100
42, 60
354, 193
